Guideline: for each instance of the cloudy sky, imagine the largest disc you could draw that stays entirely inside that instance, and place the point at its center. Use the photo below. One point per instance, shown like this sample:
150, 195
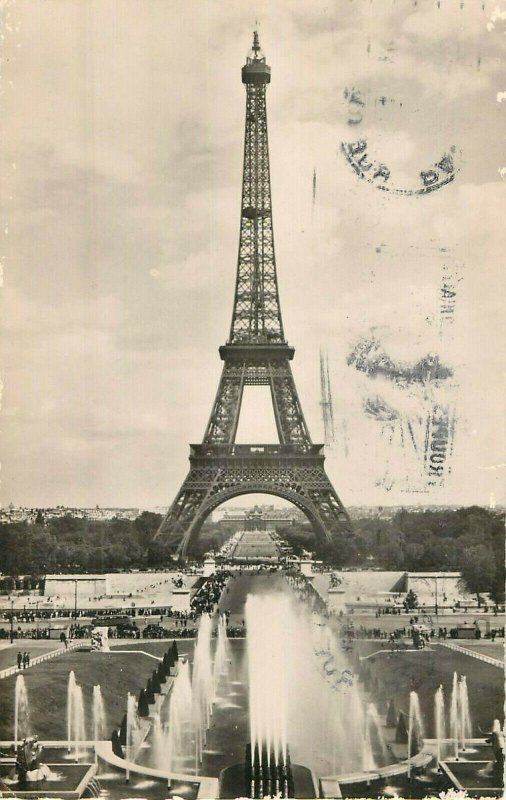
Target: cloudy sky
121, 161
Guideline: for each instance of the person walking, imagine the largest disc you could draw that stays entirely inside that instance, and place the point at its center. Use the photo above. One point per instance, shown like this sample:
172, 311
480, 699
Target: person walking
25, 661
20, 659
28, 659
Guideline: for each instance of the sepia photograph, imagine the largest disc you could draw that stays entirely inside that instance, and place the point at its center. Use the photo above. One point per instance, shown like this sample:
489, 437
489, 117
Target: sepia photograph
253, 440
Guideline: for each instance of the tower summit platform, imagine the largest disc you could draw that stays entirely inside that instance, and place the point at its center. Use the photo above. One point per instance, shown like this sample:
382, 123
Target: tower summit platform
256, 70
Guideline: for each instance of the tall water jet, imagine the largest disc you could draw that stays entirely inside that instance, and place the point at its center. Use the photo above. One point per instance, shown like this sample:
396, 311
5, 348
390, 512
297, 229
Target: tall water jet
269, 658
159, 744
222, 654
415, 728
78, 727
202, 683
454, 715
99, 718
21, 710
132, 728
178, 740
466, 730
439, 720
71, 685
373, 722
368, 762
354, 712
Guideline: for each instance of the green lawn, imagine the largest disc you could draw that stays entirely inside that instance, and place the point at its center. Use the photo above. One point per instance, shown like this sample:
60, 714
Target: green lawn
46, 685
424, 670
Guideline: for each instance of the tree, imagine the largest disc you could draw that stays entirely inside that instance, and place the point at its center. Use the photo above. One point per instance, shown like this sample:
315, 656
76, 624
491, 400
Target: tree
146, 525
413, 554
478, 571
162, 674
411, 601
149, 693
155, 682
116, 744
142, 704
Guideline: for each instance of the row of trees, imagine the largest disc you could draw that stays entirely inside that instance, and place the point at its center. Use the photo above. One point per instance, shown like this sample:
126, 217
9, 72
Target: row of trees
68, 544
470, 540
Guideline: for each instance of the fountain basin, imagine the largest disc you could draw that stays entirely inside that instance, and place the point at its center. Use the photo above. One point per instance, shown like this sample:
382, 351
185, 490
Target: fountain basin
204, 786
473, 772
420, 761
232, 782
70, 781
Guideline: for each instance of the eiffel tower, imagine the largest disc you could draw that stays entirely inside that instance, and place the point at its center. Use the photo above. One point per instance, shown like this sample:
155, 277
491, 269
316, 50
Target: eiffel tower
256, 354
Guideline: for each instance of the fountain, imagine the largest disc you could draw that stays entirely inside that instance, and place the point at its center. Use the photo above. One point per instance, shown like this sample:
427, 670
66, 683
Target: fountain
415, 728
30, 775
71, 684
466, 730
183, 735
132, 729
495, 767
296, 685
268, 650
306, 706
266, 776
202, 684
99, 718
368, 762
222, 654
28, 762
75, 716
375, 733
480, 775
179, 726
454, 715
21, 710
460, 719
439, 720
78, 728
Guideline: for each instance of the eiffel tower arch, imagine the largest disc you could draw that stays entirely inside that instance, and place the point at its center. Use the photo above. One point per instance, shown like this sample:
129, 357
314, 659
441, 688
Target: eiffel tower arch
256, 354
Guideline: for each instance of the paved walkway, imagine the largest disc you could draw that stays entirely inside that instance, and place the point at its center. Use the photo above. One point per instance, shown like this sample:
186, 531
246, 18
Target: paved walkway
36, 647
473, 653
59, 651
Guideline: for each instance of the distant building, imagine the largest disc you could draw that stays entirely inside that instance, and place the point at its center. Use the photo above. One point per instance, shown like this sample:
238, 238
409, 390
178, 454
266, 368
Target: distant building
12, 514
258, 518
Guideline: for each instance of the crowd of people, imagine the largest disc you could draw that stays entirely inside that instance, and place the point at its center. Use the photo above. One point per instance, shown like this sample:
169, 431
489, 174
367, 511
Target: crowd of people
23, 660
305, 591
43, 614
207, 597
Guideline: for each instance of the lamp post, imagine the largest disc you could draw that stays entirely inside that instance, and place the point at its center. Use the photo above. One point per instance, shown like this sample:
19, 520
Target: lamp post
12, 620
436, 606
75, 598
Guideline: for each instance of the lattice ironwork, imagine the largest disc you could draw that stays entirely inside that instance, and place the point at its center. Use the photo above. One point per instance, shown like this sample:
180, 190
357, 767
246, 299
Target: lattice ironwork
277, 374
308, 488
256, 354
257, 315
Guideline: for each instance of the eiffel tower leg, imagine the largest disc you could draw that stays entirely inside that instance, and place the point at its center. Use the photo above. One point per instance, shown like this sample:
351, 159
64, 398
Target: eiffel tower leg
184, 518
290, 422
222, 425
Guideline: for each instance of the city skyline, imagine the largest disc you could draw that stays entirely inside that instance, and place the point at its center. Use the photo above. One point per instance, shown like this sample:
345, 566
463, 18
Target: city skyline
121, 218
